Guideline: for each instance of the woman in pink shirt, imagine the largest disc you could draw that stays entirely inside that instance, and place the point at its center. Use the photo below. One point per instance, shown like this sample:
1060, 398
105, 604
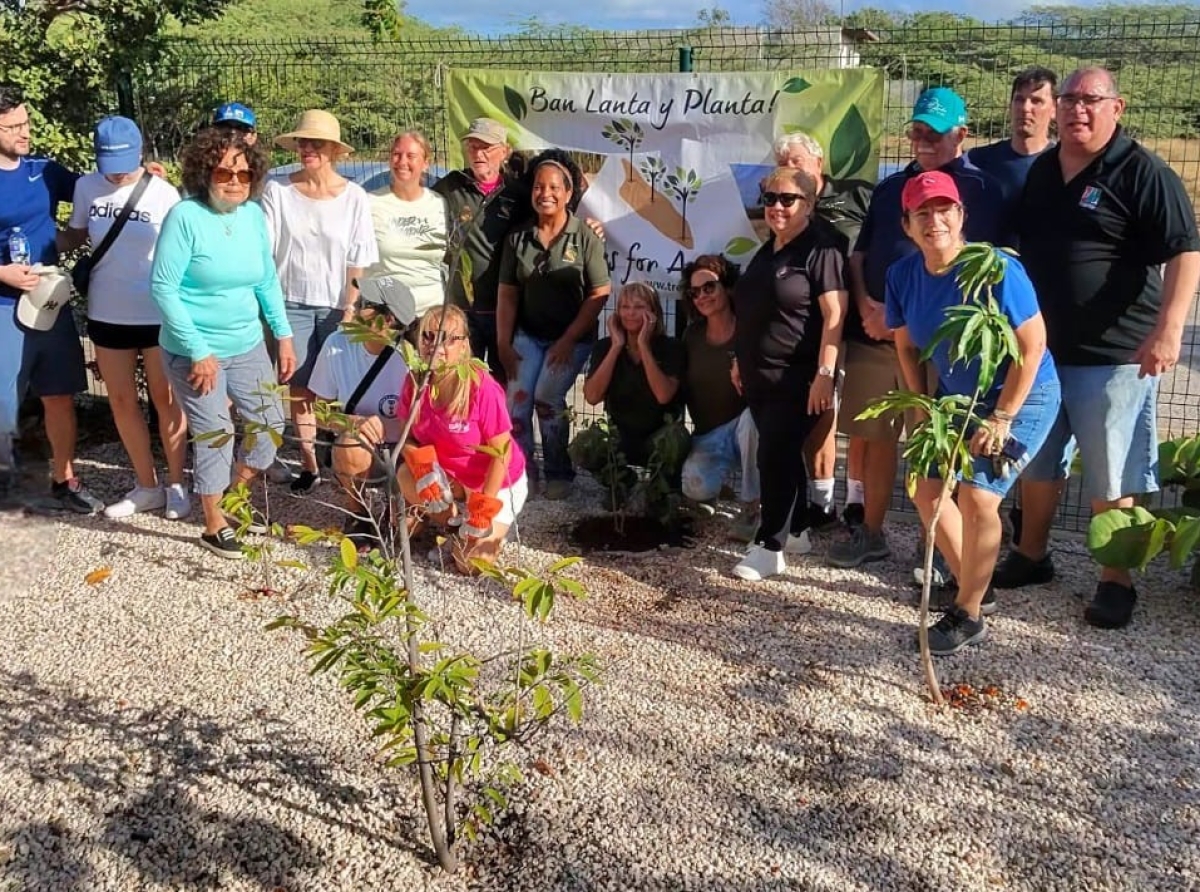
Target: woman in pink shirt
455, 416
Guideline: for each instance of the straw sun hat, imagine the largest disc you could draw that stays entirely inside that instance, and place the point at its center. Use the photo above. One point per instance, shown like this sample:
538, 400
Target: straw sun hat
314, 124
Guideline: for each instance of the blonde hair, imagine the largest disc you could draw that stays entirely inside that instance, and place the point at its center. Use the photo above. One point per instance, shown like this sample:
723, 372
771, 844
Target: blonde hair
419, 138
649, 294
444, 320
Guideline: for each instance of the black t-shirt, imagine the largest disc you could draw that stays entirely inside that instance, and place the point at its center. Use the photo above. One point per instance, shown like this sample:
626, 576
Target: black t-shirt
779, 318
629, 401
1093, 248
708, 388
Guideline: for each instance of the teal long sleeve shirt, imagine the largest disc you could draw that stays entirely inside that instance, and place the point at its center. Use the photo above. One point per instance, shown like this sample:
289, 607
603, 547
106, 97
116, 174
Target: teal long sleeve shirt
212, 275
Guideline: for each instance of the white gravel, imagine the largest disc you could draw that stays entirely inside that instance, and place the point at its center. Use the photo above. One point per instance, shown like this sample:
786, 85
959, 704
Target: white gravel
769, 736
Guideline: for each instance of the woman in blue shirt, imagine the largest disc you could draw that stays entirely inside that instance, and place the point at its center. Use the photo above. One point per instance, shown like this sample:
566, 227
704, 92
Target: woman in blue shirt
213, 274
1022, 404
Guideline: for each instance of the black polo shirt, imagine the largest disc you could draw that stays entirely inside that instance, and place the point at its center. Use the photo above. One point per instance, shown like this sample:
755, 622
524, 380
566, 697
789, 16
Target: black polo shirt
779, 319
487, 219
843, 204
1093, 248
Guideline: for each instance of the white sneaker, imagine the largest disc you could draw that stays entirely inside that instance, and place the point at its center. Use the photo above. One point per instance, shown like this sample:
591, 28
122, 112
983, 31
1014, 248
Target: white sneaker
798, 544
137, 500
179, 503
759, 563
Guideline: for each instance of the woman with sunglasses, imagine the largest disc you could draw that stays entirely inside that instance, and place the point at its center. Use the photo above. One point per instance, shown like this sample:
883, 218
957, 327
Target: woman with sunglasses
457, 415
366, 384
213, 275
724, 438
553, 284
790, 304
635, 372
322, 238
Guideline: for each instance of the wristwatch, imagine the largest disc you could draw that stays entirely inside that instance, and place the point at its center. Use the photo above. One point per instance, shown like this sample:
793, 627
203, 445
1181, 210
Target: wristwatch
825, 371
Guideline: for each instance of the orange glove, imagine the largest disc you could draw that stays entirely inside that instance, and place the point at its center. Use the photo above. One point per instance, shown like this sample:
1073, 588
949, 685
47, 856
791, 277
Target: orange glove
433, 486
481, 511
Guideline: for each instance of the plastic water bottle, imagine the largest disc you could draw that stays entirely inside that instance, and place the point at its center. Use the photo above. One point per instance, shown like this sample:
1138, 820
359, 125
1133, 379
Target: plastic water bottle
18, 247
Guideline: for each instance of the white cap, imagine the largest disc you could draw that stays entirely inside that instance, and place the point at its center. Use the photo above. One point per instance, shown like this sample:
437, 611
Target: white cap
38, 309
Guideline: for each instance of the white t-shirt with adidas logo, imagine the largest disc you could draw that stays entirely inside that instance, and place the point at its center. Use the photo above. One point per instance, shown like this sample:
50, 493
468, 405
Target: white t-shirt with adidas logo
119, 292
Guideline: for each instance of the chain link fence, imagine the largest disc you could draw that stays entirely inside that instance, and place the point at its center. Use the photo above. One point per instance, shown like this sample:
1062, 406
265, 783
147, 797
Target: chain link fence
378, 89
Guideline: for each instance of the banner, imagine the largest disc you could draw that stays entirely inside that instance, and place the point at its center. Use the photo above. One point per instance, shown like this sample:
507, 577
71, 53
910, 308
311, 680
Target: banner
674, 160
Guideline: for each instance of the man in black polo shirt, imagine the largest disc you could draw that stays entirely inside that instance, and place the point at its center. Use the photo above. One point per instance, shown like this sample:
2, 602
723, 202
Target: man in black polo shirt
1099, 218
936, 131
843, 204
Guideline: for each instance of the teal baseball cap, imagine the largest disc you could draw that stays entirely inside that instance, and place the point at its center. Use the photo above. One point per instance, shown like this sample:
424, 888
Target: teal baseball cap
940, 108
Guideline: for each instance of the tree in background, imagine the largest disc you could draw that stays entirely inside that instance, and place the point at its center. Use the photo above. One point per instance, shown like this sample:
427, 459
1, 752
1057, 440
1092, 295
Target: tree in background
794, 15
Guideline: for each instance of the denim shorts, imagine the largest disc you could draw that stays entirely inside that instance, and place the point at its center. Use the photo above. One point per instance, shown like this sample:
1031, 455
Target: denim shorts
310, 328
1110, 414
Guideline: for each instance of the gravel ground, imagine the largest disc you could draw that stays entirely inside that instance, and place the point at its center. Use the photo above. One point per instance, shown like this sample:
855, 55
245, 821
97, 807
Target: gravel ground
768, 736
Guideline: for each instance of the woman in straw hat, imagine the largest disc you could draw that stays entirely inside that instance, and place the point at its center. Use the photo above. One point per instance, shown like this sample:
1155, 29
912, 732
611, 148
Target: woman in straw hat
323, 239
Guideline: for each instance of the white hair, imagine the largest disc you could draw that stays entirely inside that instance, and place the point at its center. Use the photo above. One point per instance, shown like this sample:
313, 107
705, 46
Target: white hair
797, 140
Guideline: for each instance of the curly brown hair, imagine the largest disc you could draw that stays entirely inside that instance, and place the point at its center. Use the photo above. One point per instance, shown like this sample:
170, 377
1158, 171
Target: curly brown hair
725, 270
204, 153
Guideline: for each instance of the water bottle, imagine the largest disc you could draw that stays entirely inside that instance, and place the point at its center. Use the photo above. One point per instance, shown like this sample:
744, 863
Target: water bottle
18, 247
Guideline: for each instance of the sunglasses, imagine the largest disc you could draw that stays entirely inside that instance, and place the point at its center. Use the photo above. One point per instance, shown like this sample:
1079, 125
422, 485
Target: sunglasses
361, 304
708, 289
431, 337
787, 199
223, 175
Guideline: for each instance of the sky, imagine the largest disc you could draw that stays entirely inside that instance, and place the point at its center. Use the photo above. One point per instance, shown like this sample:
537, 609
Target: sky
492, 17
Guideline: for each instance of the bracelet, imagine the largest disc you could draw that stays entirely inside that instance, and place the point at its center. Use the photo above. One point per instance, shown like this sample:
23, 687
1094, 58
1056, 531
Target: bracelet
1006, 417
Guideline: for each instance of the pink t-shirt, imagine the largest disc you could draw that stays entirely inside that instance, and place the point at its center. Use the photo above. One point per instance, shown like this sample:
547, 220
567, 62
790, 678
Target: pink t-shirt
455, 441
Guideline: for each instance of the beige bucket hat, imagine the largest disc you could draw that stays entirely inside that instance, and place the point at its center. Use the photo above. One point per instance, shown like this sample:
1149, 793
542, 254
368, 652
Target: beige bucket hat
314, 124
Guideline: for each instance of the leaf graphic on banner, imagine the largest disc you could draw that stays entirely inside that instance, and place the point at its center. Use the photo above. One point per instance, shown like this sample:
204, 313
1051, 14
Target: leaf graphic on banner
795, 85
740, 245
850, 146
515, 102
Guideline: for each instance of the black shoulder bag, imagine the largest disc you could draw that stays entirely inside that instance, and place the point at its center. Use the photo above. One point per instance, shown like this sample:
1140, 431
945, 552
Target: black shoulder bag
81, 273
372, 373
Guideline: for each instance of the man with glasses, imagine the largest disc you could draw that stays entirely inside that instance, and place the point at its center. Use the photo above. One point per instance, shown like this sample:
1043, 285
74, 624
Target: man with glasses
48, 363
936, 132
1108, 235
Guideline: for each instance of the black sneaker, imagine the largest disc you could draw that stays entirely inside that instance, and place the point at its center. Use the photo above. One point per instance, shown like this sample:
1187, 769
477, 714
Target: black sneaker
1016, 571
72, 495
854, 515
1015, 519
1111, 606
361, 532
941, 599
955, 631
305, 482
820, 520
224, 543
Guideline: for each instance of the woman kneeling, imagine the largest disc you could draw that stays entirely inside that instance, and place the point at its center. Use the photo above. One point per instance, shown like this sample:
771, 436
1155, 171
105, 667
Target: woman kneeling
443, 462
1020, 407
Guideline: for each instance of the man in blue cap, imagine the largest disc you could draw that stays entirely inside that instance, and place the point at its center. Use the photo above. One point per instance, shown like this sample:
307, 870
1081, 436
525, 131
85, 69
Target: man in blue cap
238, 117
936, 132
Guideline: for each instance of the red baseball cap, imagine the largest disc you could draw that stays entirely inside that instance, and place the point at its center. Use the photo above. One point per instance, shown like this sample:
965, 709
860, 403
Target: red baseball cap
925, 187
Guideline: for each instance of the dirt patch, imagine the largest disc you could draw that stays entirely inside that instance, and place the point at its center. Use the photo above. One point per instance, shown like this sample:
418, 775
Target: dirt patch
629, 535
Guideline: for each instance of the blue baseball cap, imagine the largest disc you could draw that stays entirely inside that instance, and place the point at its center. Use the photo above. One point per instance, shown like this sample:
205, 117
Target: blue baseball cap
941, 108
235, 113
118, 145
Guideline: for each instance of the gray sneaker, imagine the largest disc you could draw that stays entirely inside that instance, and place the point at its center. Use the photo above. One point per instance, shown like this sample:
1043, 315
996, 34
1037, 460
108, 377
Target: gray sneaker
744, 527
862, 546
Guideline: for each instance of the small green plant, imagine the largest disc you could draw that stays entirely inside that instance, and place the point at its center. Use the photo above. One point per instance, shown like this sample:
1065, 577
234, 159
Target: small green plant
1130, 538
975, 331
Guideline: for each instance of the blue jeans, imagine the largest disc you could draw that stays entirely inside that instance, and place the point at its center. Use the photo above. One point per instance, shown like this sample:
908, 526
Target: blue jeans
544, 388
717, 453
240, 379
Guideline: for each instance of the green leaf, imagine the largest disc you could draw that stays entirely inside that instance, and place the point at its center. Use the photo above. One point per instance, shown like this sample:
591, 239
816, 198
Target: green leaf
1185, 540
349, 554
516, 103
850, 146
560, 565
740, 245
1125, 537
795, 85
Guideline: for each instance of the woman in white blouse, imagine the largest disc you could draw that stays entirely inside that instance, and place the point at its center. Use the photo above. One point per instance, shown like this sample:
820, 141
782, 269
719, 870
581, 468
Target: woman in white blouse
410, 224
323, 239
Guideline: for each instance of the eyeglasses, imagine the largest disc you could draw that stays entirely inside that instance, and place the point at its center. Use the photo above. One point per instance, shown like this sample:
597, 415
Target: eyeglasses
708, 289
317, 144
787, 199
929, 137
431, 337
19, 127
223, 175
1087, 100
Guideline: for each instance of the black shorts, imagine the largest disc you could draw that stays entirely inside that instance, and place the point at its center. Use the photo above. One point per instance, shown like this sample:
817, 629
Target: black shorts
122, 337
